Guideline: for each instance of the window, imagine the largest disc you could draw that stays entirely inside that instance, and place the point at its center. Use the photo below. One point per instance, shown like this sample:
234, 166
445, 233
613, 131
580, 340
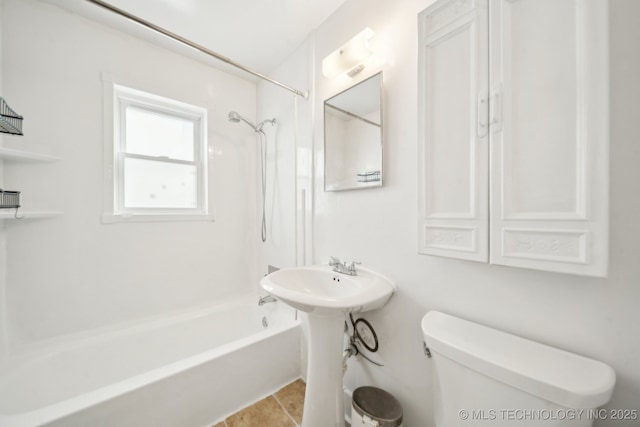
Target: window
159, 158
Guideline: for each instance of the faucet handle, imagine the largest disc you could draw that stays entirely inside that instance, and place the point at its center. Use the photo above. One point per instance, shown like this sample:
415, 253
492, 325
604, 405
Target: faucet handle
352, 265
333, 261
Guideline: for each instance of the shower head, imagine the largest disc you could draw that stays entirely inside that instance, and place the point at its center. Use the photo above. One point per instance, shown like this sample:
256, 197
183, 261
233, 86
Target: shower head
234, 117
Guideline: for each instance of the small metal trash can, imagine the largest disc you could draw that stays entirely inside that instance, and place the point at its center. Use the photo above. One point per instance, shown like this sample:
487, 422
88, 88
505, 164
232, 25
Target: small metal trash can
374, 407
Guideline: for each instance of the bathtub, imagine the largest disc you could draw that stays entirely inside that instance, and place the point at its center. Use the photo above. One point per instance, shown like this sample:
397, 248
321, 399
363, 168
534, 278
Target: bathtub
188, 369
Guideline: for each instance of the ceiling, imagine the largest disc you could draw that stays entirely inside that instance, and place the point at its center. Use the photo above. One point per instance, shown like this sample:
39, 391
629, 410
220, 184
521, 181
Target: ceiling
258, 34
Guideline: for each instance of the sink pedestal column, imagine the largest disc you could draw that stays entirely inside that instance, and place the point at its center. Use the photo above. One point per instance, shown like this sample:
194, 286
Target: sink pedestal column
323, 405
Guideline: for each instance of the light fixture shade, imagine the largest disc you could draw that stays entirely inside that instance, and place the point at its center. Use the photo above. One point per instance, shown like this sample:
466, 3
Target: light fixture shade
349, 57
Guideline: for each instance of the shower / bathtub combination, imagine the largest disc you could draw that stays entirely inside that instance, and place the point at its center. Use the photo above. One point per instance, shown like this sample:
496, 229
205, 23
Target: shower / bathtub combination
190, 368
193, 368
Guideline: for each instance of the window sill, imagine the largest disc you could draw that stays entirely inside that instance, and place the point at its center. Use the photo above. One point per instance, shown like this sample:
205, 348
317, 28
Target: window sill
111, 218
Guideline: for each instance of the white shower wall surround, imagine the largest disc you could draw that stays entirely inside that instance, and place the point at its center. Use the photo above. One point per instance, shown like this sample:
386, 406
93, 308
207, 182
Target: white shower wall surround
90, 275
190, 369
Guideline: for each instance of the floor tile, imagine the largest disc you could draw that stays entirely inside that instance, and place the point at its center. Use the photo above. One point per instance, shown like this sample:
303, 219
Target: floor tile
265, 413
292, 398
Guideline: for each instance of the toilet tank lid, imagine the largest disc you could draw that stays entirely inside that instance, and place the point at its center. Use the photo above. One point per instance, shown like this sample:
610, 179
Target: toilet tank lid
561, 377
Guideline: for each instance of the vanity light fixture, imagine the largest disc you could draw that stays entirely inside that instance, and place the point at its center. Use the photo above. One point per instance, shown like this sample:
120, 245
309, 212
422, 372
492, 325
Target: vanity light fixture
351, 57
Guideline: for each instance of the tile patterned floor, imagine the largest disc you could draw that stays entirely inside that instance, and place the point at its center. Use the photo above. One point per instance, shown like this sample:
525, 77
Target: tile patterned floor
281, 409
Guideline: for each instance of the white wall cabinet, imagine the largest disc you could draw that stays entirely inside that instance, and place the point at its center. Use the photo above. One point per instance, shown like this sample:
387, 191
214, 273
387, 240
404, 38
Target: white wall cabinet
513, 133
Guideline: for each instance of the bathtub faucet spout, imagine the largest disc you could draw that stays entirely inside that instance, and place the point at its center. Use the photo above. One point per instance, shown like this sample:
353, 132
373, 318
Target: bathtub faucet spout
263, 300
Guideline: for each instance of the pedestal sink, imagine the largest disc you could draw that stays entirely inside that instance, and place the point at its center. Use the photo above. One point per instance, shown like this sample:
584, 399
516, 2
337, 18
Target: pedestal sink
326, 295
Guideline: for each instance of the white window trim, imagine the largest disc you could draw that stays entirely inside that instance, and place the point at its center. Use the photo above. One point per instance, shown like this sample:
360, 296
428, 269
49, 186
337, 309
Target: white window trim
115, 97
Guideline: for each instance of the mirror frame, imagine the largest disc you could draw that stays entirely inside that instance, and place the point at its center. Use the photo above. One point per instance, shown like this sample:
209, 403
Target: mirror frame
376, 184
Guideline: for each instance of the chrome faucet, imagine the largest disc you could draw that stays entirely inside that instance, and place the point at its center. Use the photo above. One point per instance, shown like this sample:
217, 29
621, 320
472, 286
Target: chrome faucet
266, 299
348, 268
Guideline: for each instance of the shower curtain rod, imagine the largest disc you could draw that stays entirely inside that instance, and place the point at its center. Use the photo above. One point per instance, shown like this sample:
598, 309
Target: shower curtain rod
193, 45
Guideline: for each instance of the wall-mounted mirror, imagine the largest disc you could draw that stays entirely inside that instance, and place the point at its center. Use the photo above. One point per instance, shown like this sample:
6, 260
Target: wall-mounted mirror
353, 137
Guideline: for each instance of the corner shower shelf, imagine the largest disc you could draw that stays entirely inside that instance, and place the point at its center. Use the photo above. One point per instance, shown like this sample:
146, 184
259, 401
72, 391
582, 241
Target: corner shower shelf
10, 154
10, 214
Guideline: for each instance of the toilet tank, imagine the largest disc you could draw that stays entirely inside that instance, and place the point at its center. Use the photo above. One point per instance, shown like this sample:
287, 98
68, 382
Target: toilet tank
486, 377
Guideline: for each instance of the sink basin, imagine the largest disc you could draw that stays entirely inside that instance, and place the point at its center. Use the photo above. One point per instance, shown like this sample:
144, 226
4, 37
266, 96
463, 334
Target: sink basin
325, 296
318, 288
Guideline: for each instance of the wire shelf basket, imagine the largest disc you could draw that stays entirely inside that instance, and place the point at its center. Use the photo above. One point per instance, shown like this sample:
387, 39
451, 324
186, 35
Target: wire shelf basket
10, 121
9, 199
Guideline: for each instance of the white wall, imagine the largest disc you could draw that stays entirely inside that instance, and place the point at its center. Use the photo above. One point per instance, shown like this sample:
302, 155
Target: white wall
594, 317
73, 273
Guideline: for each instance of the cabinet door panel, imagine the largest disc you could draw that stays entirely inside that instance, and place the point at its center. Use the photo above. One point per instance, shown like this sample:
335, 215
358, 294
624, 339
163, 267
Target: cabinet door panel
453, 159
450, 155
544, 157
549, 175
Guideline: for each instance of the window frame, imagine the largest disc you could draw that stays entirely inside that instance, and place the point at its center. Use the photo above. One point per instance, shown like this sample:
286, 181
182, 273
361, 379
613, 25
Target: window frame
117, 99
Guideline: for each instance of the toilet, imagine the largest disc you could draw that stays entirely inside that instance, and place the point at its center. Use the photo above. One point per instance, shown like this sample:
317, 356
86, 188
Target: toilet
488, 378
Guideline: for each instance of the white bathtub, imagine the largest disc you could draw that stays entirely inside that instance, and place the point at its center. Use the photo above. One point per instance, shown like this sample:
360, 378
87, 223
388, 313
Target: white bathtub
187, 370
